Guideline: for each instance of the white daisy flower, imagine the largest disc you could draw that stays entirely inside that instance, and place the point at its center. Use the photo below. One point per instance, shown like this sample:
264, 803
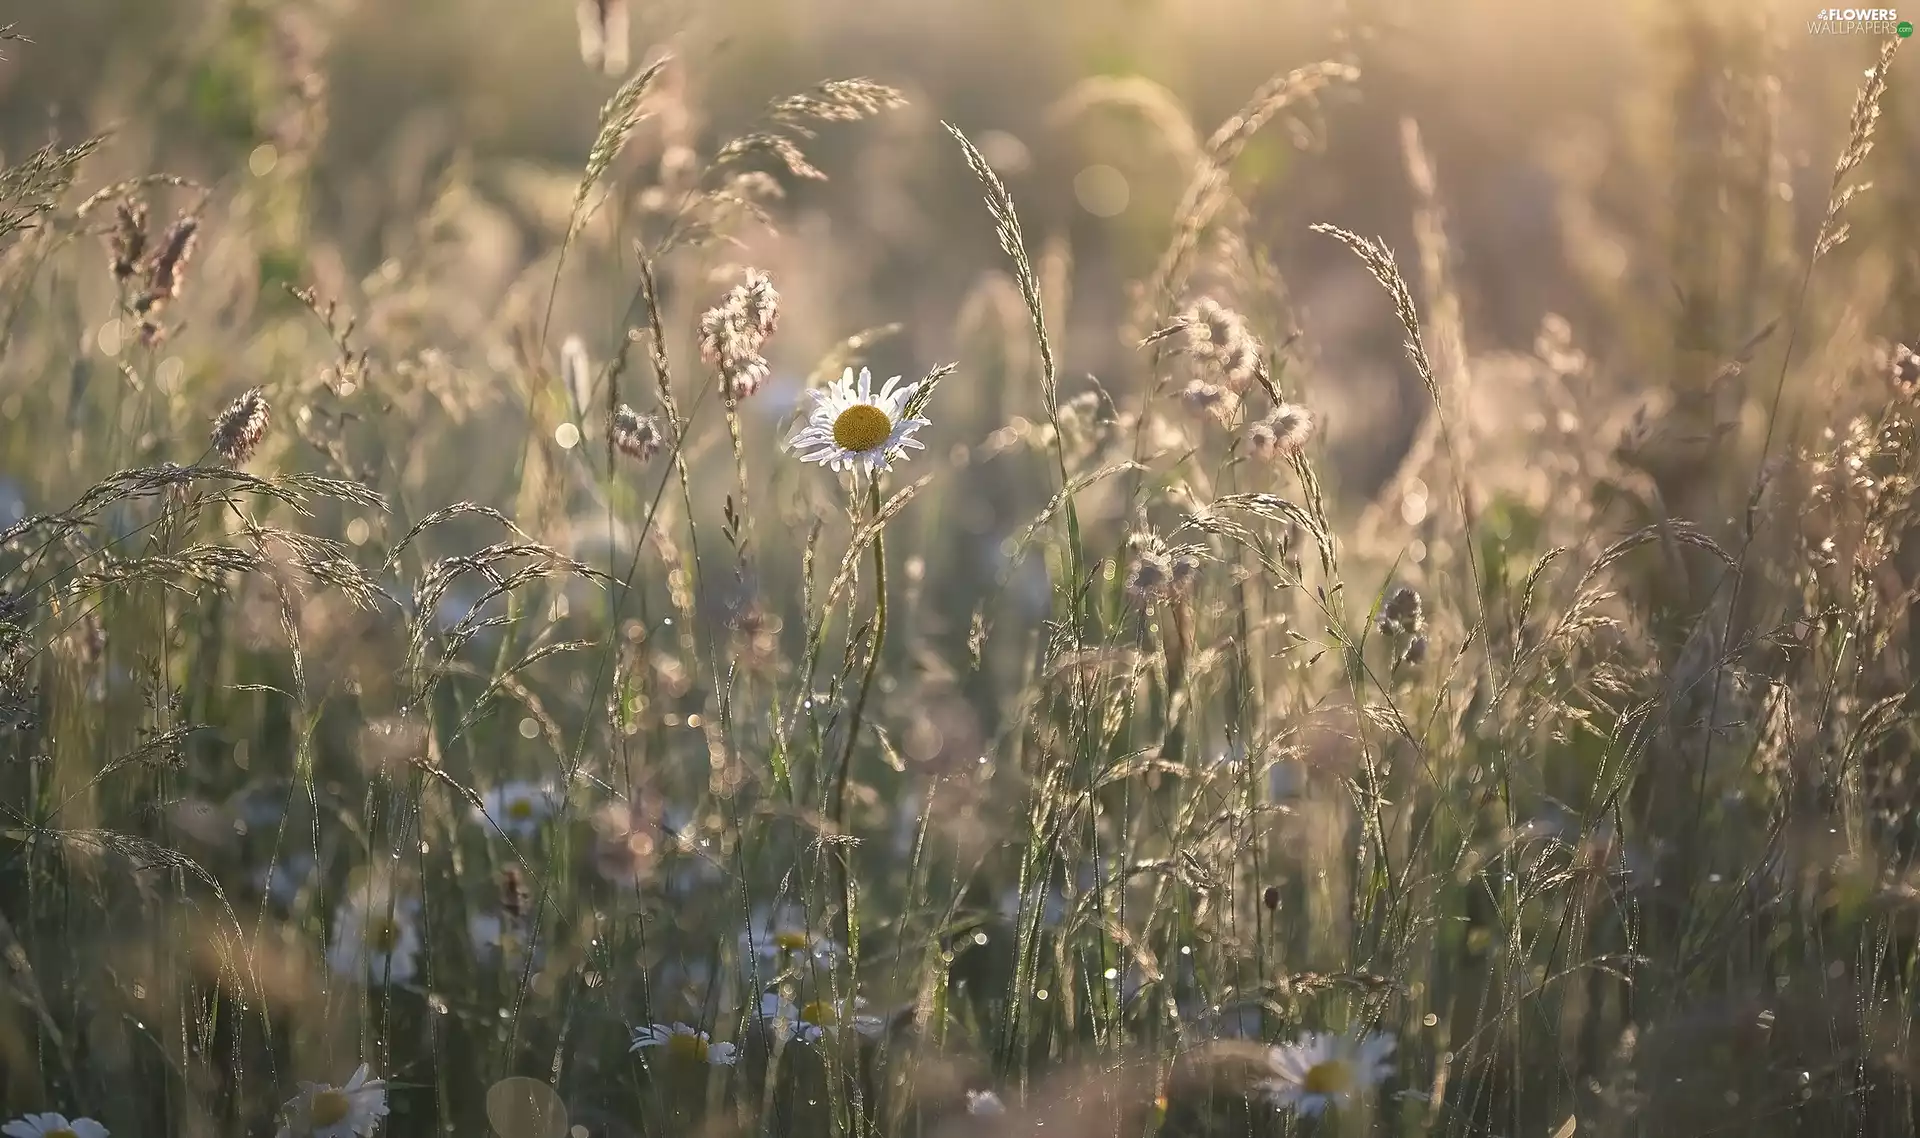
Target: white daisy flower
518, 807
375, 938
985, 1103
322, 1110
684, 1041
852, 428
809, 1023
780, 932
51, 1125
1324, 1068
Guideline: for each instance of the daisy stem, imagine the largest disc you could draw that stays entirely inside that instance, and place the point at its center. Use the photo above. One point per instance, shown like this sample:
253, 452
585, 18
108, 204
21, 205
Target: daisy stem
879, 641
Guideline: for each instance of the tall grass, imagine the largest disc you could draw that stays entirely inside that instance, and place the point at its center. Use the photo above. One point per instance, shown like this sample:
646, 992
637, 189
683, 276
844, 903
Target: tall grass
489, 694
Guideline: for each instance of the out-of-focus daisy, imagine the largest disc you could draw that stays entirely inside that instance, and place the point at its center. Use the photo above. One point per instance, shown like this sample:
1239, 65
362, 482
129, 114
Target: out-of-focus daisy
500, 938
283, 880
780, 932
376, 937
685, 1042
51, 1125
850, 427
519, 807
1053, 909
809, 1023
985, 1103
322, 1110
1323, 1068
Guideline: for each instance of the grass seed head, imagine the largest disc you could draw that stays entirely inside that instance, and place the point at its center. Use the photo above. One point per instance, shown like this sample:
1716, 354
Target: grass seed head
637, 436
238, 430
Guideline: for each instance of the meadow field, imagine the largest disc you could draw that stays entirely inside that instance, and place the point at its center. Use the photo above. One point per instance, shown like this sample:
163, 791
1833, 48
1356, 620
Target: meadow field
1092, 569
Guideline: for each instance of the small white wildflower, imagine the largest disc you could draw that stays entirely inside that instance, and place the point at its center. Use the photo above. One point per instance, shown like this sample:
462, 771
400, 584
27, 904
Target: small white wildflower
852, 428
322, 1110
52, 1125
1323, 1069
685, 1042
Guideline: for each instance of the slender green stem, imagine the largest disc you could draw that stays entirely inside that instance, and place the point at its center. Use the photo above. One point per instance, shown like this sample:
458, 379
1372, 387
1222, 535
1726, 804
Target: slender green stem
839, 805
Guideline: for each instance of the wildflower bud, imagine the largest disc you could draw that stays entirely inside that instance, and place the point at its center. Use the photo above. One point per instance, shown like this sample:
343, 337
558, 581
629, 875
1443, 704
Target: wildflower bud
1185, 569
1149, 577
127, 244
239, 429
1271, 898
636, 435
760, 303
1402, 615
166, 273
1905, 369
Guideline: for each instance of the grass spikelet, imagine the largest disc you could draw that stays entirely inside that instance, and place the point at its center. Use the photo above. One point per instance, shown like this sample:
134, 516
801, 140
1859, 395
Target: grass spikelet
30, 188
1207, 190
619, 115
237, 431
837, 100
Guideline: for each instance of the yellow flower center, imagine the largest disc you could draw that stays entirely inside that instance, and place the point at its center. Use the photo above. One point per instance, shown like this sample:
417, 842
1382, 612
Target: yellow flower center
63, 1132
1333, 1077
861, 427
790, 940
383, 935
328, 1108
687, 1047
520, 809
820, 1014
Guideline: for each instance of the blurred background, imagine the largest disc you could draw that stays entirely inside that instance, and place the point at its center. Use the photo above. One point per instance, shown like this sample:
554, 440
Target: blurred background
1577, 148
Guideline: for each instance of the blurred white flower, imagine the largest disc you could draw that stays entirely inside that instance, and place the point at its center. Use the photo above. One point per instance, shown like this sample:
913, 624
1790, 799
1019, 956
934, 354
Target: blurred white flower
376, 937
518, 807
283, 880
322, 1110
1324, 1068
781, 932
985, 1102
685, 1042
1053, 909
809, 1023
499, 938
850, 427
52, 1126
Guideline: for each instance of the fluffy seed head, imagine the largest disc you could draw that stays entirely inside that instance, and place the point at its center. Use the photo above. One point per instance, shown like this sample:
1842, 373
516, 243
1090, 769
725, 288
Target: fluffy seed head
733, 333
1217, 335
238, 430
1281, 434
